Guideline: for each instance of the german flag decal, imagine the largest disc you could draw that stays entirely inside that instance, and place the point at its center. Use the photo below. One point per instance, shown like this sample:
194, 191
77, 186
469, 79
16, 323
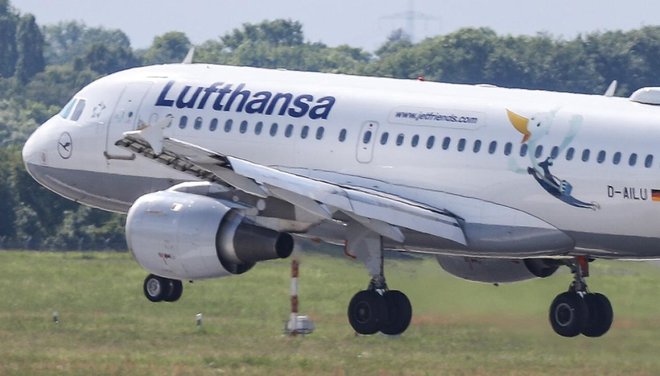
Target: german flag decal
655, 194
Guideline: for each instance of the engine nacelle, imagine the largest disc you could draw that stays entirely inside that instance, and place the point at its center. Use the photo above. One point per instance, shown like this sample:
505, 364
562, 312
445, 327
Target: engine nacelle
187, 236
492, 270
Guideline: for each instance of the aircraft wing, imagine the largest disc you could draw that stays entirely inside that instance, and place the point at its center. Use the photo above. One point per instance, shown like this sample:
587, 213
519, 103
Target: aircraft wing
381, 213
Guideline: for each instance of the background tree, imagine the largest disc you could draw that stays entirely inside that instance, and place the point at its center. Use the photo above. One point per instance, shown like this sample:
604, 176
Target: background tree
29, 46
274, 33
66, 41
105, 60
170, 47
8, 55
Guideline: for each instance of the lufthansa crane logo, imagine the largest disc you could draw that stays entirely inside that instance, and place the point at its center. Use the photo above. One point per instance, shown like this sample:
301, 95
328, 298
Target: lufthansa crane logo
65, 145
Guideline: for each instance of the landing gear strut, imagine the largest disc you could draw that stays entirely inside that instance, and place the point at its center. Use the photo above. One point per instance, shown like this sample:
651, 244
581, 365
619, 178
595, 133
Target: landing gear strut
158, 289
377, 308
579, 311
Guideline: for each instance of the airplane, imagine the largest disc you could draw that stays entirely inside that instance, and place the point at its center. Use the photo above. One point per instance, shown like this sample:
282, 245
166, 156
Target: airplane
221, 167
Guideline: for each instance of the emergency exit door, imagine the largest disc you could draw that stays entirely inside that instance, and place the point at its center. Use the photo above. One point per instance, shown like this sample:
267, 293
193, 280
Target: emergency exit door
366, 141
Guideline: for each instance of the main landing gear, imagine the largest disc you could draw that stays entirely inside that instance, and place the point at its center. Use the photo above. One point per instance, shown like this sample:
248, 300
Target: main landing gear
579, 311
158, 289
376, 309
379, 310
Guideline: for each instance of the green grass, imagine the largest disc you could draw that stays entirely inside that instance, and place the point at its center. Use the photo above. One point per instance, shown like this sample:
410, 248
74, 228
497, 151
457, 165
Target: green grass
108, 327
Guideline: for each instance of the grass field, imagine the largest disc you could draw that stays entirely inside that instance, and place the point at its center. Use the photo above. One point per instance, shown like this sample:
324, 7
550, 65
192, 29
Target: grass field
108, 327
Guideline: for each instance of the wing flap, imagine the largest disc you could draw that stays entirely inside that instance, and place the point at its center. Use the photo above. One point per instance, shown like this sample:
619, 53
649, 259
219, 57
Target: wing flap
384, 214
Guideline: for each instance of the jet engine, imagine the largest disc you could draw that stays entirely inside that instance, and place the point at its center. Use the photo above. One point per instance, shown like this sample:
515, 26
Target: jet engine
187, 236
492, 270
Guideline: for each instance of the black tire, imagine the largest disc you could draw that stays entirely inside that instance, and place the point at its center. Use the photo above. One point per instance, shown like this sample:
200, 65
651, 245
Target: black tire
600, 315
399, 313
569, 314
367, 311
156, 288
175, 290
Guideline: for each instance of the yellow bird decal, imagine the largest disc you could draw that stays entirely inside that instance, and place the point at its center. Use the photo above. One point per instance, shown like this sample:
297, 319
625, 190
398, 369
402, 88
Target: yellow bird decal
520, 123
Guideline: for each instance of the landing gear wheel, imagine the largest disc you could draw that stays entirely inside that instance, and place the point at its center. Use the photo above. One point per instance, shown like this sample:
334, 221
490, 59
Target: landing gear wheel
600, 315
569, 314
156, 288
399, 313
367, 311
175, 290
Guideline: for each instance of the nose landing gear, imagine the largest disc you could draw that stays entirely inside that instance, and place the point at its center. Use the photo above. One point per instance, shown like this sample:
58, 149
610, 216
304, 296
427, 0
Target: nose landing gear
579, 311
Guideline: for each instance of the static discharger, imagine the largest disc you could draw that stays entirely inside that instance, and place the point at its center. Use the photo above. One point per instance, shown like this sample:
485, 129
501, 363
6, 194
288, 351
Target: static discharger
297, 324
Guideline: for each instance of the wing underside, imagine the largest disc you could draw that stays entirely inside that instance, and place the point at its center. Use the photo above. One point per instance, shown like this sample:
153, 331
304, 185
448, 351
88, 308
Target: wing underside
386, 215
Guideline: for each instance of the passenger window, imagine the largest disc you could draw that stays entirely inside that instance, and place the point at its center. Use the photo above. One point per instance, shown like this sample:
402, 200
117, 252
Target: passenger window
304, 132
477, 146
445, 143
214, 125
183, 121
430, 141
273, 129
508, 147
67, 109
633, 159
585, 155
367, 137
319, 133
244, 126
80, 107
342, 135
616, 158
288, 131
414, 141
569, 154
554, 153
492, 148
601, 156
461, 144
383, 138
539, 151
258, 127
198, 123
399, 139
228, 124
523, 150
648, 162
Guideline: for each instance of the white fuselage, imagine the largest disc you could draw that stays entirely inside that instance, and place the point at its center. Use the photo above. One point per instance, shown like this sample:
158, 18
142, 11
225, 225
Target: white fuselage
452, 147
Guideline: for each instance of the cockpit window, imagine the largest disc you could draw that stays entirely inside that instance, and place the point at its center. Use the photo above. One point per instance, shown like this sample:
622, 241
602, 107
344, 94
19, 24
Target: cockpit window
80, 107
66, 110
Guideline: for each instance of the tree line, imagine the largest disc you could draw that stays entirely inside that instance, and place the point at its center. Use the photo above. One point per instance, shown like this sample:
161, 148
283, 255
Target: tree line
42, 67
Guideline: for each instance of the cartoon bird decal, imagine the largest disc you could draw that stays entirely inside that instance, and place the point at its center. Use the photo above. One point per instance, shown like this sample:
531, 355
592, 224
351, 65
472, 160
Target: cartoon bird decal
534, 128
533, 131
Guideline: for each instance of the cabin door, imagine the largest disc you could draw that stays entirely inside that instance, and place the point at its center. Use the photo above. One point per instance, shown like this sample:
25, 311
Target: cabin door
125, 118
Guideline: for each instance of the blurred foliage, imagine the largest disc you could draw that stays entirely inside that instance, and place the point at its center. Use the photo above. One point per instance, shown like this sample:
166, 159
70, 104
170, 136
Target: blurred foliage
41, 68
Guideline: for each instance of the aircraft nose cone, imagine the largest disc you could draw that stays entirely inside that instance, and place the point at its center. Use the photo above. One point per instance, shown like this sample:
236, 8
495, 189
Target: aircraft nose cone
34, 152
29, 152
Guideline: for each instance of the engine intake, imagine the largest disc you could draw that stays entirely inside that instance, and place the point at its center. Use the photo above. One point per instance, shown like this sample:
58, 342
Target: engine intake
187, 236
